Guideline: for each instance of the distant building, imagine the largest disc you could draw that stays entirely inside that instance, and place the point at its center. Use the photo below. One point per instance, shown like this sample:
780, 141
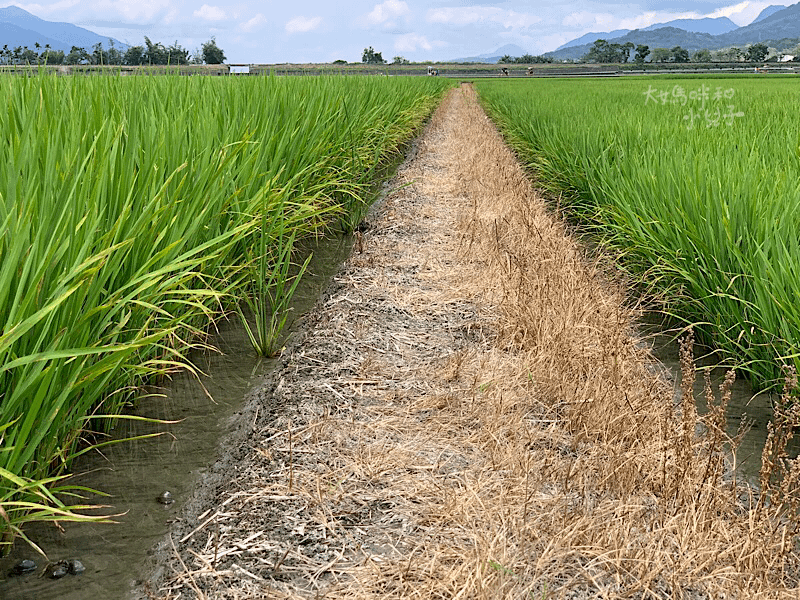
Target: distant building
786, 58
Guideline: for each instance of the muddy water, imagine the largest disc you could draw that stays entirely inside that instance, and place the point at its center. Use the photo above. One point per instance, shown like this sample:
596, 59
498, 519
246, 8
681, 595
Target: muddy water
135, 473
745, 404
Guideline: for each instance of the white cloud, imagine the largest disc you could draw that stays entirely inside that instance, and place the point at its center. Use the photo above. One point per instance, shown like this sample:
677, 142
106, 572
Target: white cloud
46, 9
410, 42
458, 16
387, 11
303, 24
254, 23
742, 13
172, 16
584, 20
547, 43
130, 11
210, 13
469, 15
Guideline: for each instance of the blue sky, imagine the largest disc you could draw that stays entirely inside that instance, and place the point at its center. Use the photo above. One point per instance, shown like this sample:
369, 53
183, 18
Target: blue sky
276, 31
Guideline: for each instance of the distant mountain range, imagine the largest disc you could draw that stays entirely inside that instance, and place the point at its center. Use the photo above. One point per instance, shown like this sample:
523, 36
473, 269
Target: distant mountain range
774, 24
492, 57
707, 25
20, 28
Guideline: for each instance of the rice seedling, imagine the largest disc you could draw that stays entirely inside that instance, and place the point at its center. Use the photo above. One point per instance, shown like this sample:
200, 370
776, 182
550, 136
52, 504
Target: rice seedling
693, 184
271, 286
135, 211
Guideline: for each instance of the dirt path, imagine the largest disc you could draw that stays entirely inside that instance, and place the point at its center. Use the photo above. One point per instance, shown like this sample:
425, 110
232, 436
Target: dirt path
468, 415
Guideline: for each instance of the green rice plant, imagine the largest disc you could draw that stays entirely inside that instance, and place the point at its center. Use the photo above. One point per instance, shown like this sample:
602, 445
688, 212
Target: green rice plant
270, 286
271, 295
134, 211
696, 188
26, 501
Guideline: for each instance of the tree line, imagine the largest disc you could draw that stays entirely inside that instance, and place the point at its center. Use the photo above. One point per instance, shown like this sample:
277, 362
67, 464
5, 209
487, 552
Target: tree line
603, 51
151, 53
371, 57
525, 59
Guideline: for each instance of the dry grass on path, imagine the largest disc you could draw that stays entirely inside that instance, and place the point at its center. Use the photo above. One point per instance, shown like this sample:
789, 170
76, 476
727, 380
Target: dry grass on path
469, 415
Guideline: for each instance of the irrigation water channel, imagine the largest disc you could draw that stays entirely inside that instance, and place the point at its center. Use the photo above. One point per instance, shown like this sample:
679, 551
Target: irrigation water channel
135, 473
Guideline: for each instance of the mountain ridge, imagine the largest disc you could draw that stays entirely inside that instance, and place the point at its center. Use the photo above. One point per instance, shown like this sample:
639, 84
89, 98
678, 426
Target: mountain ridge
712, 26
770, 10
18, 27
771, 25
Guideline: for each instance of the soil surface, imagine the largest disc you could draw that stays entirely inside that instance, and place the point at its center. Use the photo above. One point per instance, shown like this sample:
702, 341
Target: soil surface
469, 414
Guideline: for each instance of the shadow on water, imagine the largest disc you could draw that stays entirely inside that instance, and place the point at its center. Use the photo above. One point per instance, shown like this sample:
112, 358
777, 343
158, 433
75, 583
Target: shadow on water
136, 473
746, 407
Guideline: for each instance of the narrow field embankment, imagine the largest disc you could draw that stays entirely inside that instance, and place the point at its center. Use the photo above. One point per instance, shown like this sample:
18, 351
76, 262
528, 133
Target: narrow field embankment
469, 415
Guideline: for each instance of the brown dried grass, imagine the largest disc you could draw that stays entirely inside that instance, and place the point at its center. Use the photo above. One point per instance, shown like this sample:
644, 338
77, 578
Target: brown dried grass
470, 415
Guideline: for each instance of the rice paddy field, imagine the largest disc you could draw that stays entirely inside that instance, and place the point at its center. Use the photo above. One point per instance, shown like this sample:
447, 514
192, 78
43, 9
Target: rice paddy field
136, 211
693, 182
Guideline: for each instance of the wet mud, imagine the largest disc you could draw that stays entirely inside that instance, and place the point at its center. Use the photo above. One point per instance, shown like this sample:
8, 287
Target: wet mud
150, 481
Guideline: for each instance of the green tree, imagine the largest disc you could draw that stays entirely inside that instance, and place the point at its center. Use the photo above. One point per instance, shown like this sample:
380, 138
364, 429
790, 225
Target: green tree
77, 56
213, 54
756, 53
115, 56
134, 56
529, 59
661, 55
54, 57
177, 54
642, 52
702, 56
370, 57
679, 55
155, 53
197, 57
625, 51
99, 56
604, 52
400, 60
29, 57
732, 54
599, 52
